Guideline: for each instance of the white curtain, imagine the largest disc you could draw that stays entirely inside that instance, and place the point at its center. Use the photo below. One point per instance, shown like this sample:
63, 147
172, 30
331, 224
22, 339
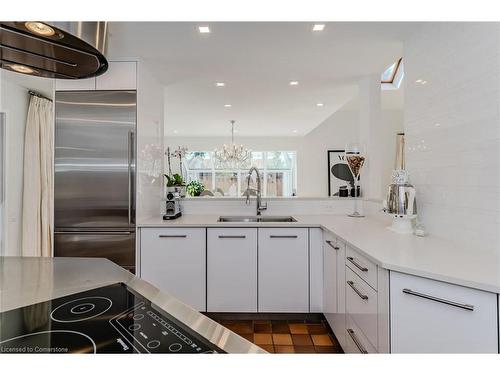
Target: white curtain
37, 187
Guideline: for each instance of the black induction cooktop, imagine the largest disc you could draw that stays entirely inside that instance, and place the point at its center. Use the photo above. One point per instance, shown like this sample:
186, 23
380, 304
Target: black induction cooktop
111, 319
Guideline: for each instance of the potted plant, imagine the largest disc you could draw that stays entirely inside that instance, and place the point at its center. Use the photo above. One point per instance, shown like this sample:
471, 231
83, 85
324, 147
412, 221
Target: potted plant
175, 183
195, 188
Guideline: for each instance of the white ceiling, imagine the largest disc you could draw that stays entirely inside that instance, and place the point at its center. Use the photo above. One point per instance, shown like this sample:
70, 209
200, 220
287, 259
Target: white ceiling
257, 61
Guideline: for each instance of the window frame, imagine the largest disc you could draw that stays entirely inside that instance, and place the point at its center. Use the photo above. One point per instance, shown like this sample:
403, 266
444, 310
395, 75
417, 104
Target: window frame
394, 72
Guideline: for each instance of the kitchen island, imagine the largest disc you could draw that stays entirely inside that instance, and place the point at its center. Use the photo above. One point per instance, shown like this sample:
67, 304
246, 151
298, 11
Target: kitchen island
27, 281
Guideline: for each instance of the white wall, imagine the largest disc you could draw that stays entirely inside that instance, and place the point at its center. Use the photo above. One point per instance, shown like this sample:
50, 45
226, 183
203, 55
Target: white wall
149, 143
14, 102
452, 127
312, 162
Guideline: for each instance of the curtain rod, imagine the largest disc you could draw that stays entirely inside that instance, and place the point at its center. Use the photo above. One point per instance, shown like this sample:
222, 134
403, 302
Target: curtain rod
33, 93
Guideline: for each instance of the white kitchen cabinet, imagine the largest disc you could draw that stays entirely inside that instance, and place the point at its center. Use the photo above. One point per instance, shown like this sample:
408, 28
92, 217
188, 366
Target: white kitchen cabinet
87, 84
361, 306
232, 269
355, 340
121, 75
429, 316
330, 253
362, 266
334, 285
315, 270
174, 260
283, 270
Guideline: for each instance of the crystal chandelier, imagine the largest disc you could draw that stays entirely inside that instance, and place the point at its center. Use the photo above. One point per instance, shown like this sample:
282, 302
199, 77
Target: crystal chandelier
232, 155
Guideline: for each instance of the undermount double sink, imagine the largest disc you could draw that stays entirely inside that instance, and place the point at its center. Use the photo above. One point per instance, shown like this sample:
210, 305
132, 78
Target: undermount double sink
257, 219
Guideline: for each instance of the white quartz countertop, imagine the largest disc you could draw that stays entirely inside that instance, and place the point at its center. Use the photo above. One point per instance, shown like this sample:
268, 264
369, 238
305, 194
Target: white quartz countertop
27, 281
429, 256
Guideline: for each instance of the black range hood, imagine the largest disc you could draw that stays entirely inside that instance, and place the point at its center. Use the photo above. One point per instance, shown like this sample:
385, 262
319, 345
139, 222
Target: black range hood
67, 50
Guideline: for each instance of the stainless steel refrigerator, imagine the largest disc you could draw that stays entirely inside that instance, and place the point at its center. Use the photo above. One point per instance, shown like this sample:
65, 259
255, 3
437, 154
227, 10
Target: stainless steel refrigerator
94, 183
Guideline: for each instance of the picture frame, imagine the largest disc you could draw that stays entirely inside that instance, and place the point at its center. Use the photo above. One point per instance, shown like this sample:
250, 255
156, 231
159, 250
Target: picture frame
338, 172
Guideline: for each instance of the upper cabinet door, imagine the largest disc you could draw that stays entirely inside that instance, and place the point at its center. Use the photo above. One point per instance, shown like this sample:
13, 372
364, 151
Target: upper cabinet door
75, 84
121, 75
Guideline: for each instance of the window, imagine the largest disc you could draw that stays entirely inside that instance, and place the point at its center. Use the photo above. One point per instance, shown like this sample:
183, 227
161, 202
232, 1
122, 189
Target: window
278, 170
391, 77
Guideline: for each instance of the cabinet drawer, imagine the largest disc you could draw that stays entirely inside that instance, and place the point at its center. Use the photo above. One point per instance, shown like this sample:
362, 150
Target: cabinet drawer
362, 266
361, 305
232, 270
429, 316
174, 260
355, 341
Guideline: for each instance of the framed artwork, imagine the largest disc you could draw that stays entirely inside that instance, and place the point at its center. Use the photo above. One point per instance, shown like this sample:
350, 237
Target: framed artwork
338, 172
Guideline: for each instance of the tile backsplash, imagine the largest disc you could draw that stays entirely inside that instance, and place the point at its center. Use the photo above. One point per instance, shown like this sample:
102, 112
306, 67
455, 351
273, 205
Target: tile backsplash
452, 127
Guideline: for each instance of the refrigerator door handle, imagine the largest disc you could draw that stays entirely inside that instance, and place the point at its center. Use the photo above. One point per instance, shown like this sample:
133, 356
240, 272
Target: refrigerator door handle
96, 232
130, 143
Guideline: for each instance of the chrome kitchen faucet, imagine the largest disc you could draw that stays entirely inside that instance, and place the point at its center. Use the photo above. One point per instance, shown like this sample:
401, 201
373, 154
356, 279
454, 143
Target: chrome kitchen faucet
260, 206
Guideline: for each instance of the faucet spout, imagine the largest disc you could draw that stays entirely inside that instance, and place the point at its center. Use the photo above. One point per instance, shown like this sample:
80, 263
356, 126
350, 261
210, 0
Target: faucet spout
260, 206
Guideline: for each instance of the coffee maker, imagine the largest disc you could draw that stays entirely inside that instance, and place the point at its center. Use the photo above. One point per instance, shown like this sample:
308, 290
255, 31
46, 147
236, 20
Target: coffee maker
172, 206
401, 202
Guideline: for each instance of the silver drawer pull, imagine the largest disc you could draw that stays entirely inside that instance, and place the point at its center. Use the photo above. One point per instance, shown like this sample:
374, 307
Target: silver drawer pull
358, 266
440, 300
358, 292
332, 245
232, 236
274, 236
172, 236
356, 341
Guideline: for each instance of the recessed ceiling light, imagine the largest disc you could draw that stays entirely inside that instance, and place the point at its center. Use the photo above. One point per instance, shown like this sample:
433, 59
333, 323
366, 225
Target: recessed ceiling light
294, 83
227, 105
437, 124
319, 104
175, 132
294, 131
220, 84
318, 27
40, 28
421, 81
22, 69
418, 81
204, 29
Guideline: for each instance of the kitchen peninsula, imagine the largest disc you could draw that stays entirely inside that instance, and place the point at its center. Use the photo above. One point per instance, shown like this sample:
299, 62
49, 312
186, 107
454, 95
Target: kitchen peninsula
28, 281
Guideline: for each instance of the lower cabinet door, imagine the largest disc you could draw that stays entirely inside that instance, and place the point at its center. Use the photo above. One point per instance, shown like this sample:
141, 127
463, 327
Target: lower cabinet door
429, 316
174, 260
330, 250
339, 318
232, 270
283, 270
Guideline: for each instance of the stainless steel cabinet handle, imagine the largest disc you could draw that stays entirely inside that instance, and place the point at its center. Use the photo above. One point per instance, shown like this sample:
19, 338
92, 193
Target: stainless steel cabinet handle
232, 236
332, 245
274, 236
440, 300
172, 236
358, 266
356, 341
358, 292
